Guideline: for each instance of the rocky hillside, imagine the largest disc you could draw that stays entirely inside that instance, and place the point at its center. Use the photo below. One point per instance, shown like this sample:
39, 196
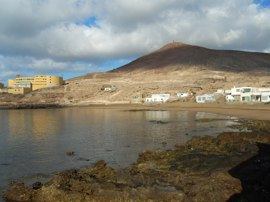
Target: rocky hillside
178, 56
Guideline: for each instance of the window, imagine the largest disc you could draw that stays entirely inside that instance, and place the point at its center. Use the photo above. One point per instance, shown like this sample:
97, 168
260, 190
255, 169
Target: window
246, 90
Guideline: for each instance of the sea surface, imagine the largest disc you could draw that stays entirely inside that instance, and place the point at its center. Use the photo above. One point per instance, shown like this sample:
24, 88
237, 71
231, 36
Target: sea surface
34, 143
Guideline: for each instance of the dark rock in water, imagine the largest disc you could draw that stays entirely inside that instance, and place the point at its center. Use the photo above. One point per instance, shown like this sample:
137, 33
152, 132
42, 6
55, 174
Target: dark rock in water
162, 122
37, 185
83, 159
164, 144
4, 164
159, 122
109, 150
70, 153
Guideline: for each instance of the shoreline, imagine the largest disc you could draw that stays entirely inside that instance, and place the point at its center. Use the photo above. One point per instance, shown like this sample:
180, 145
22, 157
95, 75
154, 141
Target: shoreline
246, 111
232, 166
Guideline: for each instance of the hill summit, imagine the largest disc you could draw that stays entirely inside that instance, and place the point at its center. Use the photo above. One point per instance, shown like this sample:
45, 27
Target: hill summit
177, 56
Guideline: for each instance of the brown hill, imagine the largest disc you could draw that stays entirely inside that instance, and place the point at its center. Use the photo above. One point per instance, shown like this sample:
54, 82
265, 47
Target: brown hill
174, 68
177, 56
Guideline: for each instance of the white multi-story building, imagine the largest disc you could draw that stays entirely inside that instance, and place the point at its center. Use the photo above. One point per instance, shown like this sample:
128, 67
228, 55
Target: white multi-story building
246, 94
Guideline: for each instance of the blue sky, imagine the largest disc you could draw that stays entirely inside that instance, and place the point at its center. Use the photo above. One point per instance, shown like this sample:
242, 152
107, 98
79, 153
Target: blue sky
264, 3
89, 36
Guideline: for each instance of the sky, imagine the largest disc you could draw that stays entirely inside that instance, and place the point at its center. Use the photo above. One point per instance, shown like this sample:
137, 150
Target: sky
75, 37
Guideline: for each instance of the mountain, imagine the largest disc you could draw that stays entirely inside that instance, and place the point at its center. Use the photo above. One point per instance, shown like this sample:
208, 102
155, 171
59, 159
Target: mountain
177, 56
174, 68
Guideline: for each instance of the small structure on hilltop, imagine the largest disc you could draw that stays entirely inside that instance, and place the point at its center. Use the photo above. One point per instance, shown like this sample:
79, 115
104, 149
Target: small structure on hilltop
108, 88
206, 98
158, 98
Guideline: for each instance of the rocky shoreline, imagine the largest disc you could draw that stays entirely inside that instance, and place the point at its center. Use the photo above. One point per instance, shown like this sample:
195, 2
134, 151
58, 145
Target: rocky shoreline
233, 166
30, 106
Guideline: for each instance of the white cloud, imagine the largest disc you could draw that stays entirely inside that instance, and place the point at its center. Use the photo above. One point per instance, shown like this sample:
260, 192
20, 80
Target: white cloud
52, 34
11, 66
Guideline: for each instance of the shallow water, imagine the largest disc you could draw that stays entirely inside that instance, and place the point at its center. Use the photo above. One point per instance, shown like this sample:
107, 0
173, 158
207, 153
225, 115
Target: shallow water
33, 143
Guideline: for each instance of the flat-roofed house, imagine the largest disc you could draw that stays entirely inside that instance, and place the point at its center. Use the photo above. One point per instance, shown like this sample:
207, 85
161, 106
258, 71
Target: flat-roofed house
182, 95
250, 94
243, 94
205, 98
236, 93
158, 98
265, 97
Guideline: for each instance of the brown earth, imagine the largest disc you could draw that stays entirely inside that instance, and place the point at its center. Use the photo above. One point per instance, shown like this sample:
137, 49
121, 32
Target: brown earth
174, 68
233, 166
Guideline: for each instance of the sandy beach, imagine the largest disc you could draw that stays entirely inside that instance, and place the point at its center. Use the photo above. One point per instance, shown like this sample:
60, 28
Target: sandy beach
256, 112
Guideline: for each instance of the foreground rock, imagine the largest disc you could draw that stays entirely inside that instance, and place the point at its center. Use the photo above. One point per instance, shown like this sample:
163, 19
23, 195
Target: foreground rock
233, 166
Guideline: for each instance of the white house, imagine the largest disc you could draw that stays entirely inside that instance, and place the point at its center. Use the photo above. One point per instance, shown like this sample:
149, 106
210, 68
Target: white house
247, 94
236, 94
265, 97
243, 94
182, 95
158, 98
205, 98
230, 98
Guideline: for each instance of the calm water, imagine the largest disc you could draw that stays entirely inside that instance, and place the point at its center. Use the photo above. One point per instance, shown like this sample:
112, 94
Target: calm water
33, 143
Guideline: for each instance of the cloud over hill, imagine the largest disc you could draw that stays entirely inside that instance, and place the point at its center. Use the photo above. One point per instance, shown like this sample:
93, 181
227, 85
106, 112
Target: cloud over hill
78, 36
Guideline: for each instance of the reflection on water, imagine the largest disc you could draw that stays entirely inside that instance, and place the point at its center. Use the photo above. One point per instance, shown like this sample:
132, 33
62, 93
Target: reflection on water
33, 143
157, 115
39, 123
